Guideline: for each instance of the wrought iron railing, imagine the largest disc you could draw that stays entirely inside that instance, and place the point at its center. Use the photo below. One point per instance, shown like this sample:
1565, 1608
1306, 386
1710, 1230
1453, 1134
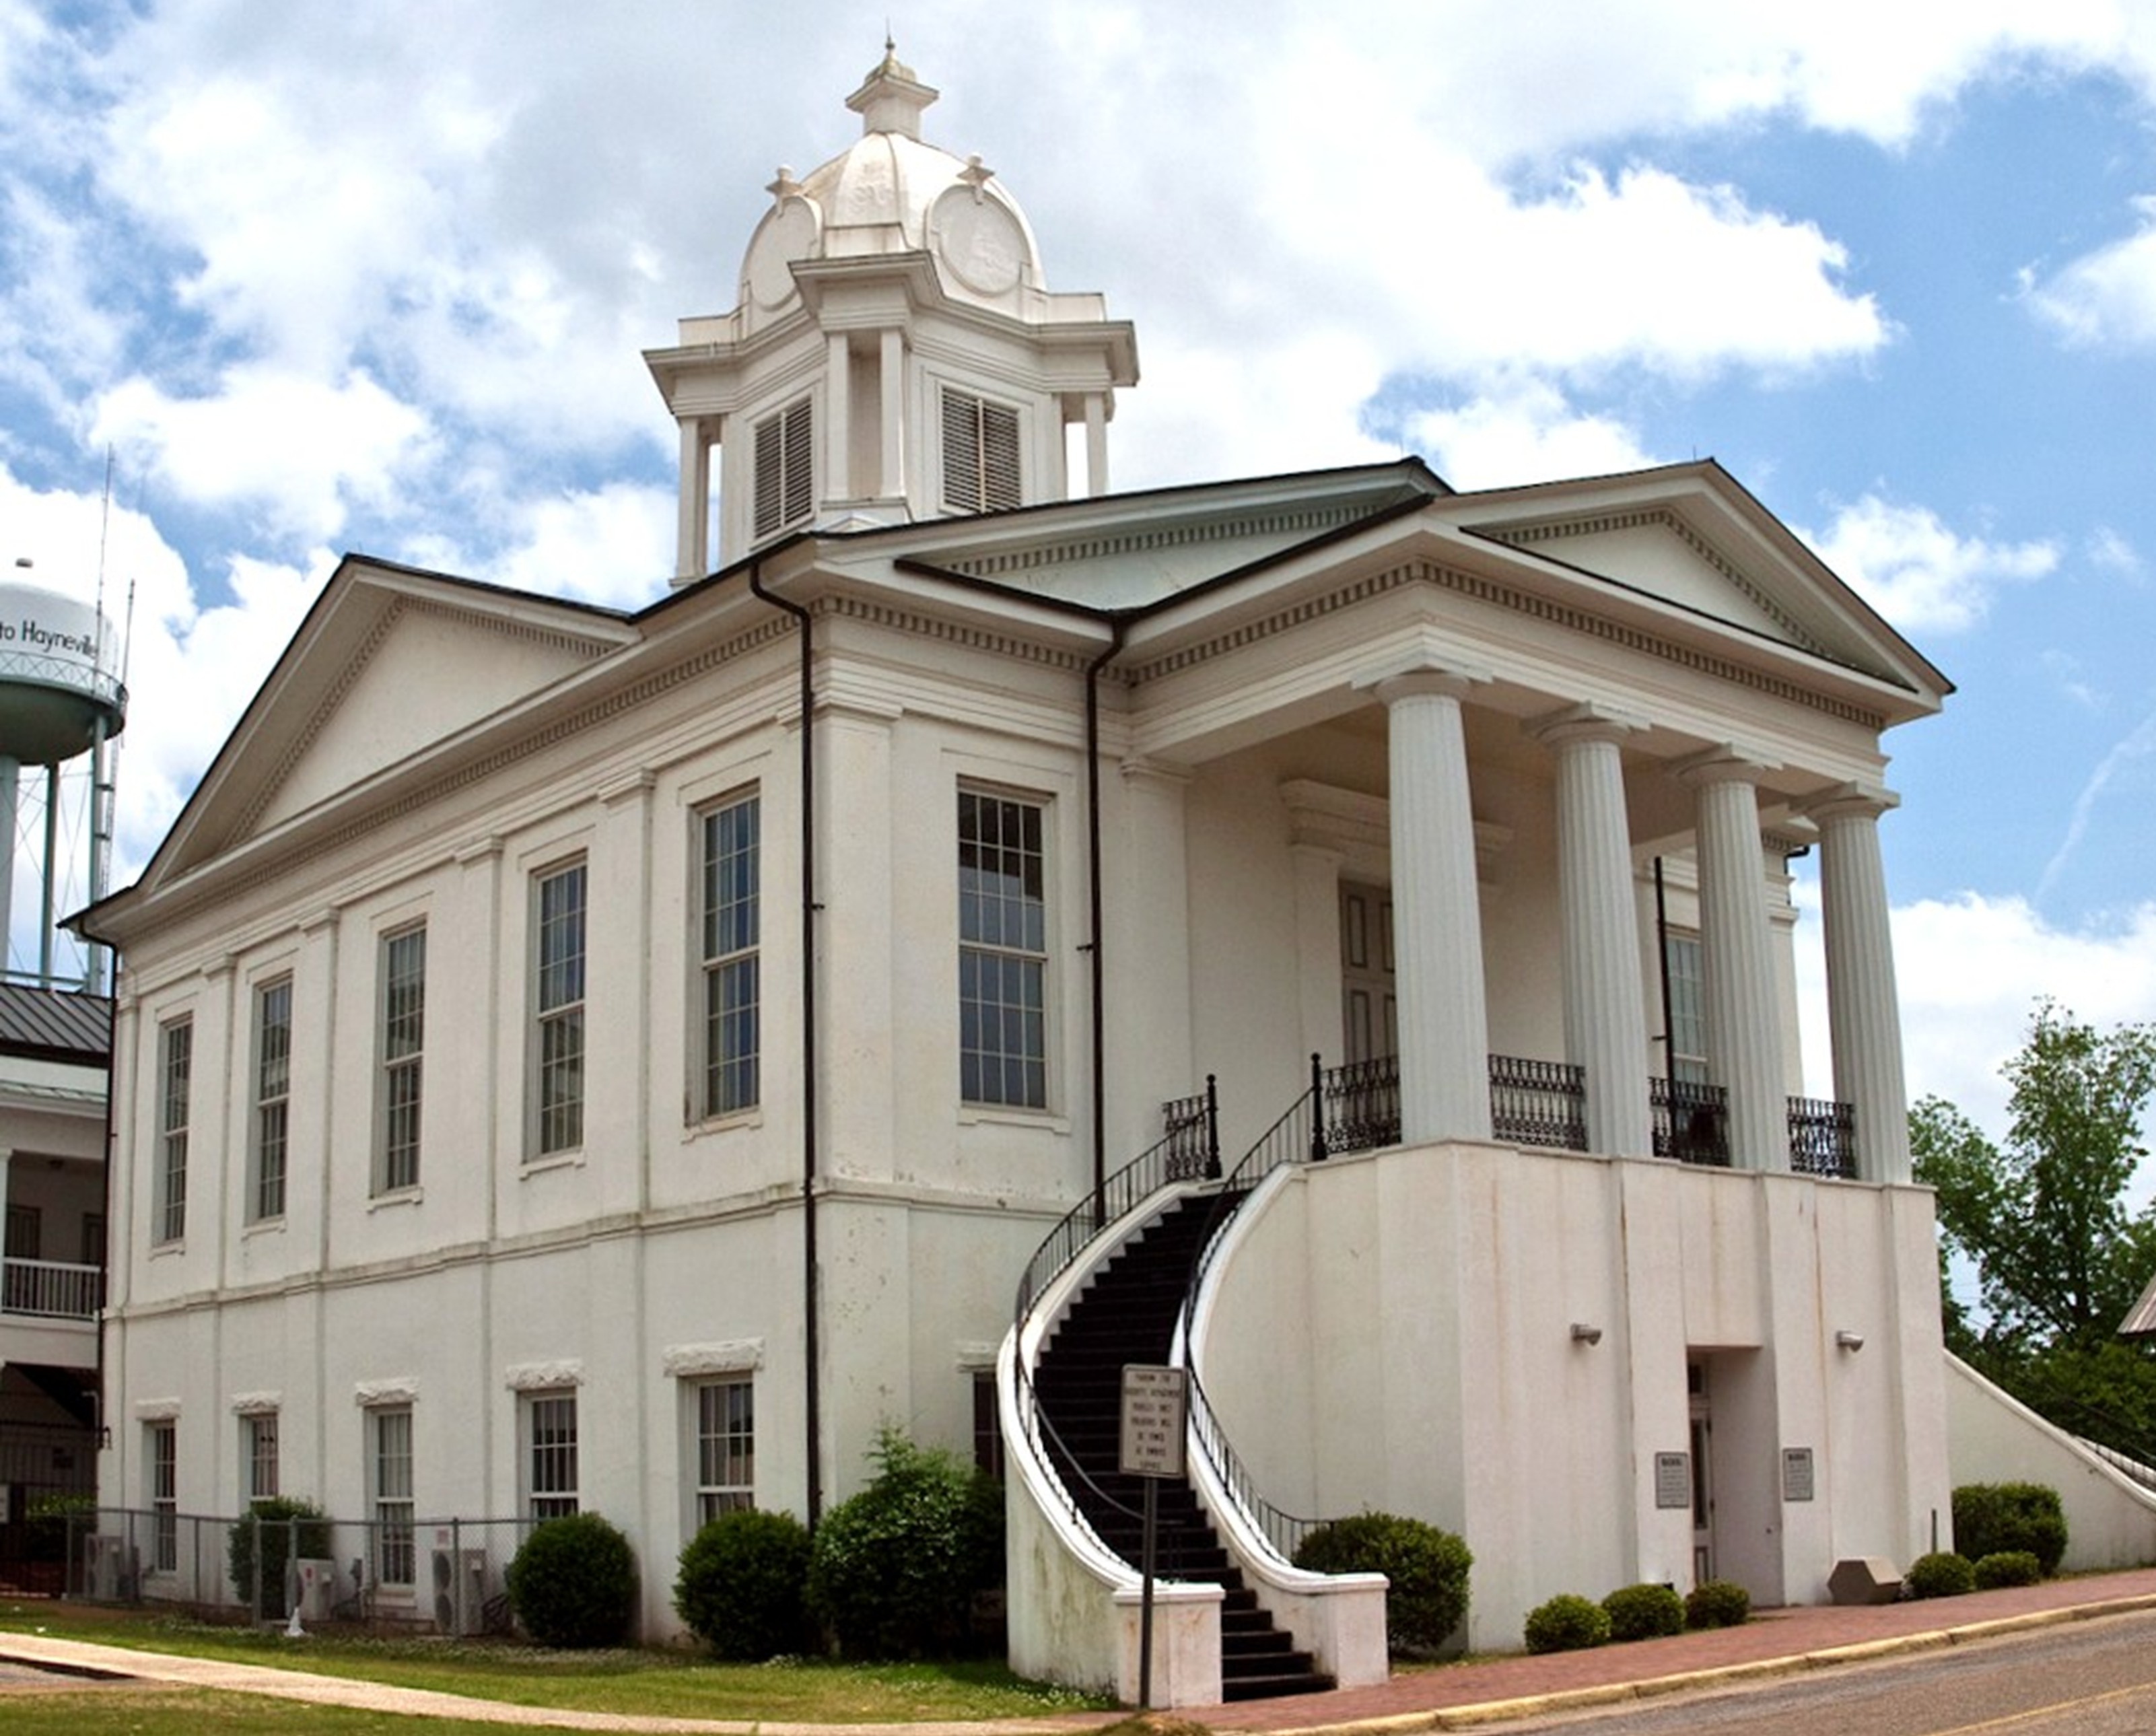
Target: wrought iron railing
1358, 1106
1538, 1102
51, 1289
1823, 1138
1691, 1121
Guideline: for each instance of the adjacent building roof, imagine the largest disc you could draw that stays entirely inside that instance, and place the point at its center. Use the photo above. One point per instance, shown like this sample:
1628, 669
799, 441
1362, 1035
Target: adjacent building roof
55, 1023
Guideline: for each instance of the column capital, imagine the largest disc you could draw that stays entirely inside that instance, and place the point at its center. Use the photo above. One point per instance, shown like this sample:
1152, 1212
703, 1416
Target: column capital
1590, 721
1416, 676
1725, 762
1165, 774
1851, 800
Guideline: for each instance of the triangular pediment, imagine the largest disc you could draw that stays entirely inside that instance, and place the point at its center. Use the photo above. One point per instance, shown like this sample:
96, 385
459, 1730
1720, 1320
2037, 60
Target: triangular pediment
389, 665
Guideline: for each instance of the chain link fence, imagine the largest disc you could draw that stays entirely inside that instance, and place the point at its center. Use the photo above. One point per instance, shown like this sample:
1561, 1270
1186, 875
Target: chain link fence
446, 1576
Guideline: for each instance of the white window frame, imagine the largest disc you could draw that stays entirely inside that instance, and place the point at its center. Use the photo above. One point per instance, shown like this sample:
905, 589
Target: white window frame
257, 1456
1683, 957
722, 1447
270, 1141
1003, 949
176, 1039
391, 1502
982, 443
401, 1042
729, 1004
782, 469
561, 913
161, 1478
548, 1426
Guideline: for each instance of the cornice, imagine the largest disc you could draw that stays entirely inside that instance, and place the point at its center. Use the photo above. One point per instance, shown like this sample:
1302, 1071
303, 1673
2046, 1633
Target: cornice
1483, 590
1141, 539
897, 618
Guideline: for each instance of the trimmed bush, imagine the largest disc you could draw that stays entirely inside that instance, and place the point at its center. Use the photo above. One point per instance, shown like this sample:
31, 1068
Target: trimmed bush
272, 1521
1644, 1612
2007, 1567
1941, 1573
573, 1582
1567, 1623
1717, 1602
1992, 1518
893, 1571
743, 1583
1428, 1599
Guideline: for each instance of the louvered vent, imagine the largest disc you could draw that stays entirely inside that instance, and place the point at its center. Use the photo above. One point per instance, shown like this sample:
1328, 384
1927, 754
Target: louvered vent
785, 473
981, 471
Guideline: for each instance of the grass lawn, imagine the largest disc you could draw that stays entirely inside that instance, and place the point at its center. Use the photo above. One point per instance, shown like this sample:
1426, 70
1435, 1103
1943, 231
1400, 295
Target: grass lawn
650, 1683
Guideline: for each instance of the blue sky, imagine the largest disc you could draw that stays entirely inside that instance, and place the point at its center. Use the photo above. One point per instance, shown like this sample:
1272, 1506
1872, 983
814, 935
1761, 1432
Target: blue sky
377, 278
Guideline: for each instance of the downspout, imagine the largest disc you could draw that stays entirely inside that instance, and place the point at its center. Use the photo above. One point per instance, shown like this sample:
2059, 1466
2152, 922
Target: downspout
811, 1323
1093, 871
1662, 972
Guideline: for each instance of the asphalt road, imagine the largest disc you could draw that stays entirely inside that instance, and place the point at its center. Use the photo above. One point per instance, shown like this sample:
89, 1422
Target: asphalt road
2096, 1678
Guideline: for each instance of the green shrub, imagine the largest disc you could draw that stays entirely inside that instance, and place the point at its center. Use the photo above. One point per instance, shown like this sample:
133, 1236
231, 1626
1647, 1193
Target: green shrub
1644, 1612
1717, 1602
1567, 1623
2007, 1567
1428, 1599
277, 1523
1991, 1518
743, 1584
1939, 1575
894, 1571
574, 1581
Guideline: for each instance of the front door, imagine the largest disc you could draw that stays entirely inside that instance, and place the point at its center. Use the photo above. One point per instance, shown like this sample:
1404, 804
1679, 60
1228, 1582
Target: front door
1702, 1477
1369, 1009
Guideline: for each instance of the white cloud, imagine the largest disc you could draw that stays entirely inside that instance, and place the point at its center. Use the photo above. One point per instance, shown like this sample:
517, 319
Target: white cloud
612, 546
1527, 434
2106, 297
1916, 572
2136, 747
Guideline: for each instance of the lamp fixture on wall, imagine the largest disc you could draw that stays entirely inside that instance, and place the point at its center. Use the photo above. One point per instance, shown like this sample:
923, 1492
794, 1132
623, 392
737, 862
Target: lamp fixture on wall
1583, 1333
1849, 1341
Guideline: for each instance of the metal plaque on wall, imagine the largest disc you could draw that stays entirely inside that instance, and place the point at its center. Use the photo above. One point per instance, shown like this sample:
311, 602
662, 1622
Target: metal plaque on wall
1672, 1479
1796, 1473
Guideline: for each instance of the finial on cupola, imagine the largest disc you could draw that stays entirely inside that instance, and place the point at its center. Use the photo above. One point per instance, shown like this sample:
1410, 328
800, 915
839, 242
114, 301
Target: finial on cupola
891, 98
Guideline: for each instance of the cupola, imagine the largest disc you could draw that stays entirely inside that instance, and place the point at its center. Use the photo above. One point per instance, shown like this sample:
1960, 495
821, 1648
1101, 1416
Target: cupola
894, 353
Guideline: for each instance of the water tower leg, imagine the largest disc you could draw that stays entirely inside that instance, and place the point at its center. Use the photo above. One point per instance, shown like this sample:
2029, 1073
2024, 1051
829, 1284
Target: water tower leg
47, 913
10, 773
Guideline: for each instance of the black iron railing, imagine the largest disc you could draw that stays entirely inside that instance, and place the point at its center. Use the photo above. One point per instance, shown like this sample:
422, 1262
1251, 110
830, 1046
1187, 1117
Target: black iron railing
1691, 1121
1538, 1102
1823, 1138
1358, 1106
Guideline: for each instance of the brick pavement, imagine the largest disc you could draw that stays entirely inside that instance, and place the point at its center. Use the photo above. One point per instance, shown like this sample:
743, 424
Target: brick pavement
1458, 1696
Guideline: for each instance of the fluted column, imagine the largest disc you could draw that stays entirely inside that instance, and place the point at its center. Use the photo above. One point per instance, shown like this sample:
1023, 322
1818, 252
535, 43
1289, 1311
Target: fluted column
693, 509
1743, 1021
1605, 1029
1437, 920
1864, 1013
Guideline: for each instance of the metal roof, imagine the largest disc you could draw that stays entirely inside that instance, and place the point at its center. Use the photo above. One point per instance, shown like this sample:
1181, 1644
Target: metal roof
55, 1023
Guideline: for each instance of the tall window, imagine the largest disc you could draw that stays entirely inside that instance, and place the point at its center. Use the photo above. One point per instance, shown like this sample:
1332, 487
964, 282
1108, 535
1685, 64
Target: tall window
730, 834
161, 1447
1003, 950
980, 454
1687, 1033
785, 470
258, 1446
403, 1034
725, 1448
561, 1009
389, 1467
273, 1090
176, 1046
550, 1427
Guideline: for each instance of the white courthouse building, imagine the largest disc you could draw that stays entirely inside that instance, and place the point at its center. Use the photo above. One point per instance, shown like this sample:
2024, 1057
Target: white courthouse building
574, 1058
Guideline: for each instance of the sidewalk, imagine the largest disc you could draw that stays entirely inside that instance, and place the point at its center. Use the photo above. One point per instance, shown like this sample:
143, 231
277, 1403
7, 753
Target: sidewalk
1779, 1642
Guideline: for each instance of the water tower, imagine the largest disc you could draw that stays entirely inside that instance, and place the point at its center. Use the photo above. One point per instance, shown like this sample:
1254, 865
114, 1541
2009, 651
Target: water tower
60, 698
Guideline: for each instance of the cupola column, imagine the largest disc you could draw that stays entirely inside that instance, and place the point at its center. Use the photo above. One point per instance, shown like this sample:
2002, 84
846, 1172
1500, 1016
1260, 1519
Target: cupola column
1097, 443
692, 557
1437, 919
1864, 1014
891, 377
837, 419
1605, 1029
1743, 1023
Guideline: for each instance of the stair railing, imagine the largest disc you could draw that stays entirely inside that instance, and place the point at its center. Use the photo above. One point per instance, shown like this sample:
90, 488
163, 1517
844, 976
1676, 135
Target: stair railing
1189, 1151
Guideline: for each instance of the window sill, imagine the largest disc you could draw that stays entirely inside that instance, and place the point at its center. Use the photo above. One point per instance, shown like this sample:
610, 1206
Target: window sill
1004, 1115
732, 1121
264, 1226
551, 1161
401, 1196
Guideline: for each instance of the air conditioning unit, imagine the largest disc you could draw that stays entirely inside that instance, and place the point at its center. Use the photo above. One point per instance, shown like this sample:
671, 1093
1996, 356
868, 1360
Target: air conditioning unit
460, 1581
108, 1574
318, 1589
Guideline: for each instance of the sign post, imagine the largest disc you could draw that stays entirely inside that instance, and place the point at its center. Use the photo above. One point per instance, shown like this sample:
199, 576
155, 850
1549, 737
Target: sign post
1156, 1405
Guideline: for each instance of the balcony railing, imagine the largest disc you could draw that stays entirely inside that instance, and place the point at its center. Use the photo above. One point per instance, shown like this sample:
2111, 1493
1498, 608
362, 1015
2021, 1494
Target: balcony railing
1823, 1138
1691, 1121
1538, 1102
51, 1289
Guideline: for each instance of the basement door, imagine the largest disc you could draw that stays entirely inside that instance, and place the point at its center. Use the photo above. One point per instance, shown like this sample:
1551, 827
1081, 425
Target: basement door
1370, 1013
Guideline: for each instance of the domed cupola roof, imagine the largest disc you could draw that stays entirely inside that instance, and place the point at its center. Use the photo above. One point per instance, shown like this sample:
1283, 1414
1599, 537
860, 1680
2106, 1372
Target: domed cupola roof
889, 193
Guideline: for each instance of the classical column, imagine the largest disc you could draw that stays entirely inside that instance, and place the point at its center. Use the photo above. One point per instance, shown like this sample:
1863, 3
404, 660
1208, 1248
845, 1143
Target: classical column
1605, 1030
1437, 920
692, 531
837, 417
1096, 443
891, 390
1743, 1024
1864, 1013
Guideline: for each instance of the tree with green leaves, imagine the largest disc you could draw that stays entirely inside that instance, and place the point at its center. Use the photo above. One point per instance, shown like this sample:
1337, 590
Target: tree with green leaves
2042, 1217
